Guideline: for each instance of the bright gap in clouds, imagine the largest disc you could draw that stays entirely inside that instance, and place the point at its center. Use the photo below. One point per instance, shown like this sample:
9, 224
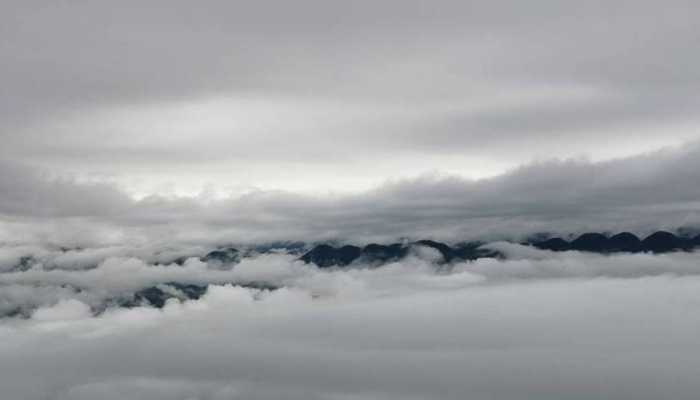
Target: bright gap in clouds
215, 147
223, 146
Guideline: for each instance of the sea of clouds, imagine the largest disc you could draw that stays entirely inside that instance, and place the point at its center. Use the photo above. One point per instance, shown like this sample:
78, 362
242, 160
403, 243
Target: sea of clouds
535, 325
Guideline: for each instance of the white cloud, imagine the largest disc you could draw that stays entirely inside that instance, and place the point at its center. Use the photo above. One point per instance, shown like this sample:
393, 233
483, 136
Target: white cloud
63, 310
484, 330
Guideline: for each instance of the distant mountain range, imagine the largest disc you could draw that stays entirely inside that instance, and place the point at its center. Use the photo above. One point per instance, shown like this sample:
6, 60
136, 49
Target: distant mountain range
328, 256
657, 242
325, 255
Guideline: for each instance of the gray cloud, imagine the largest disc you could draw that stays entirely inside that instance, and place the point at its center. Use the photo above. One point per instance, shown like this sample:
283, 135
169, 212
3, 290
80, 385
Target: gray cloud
641, 193
396, 85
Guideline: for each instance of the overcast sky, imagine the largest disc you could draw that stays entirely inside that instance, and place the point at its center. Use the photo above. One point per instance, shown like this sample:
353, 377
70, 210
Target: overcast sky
316, 96
349, 119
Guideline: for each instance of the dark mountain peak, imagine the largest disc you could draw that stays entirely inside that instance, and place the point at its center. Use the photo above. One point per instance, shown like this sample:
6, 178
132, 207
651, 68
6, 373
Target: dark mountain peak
158, 295
348, 254
373, 248
658, 242
662, 235
591, 241
625, 236
553, 244
24, 263
225, 256
624, 242
431, 243
663, 242
474, 250
380, 253
323, 248
325, 255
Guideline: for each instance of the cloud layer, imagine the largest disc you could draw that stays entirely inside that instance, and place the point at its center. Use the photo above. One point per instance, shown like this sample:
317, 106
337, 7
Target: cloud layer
538, 325
642, 194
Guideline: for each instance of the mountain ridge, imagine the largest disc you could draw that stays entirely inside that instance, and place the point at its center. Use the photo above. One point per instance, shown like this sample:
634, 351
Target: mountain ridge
326, 255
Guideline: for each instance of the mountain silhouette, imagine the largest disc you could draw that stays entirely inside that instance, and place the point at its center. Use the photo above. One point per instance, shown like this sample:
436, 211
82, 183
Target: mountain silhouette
662, 242
325, 255
228, 255
624, 242
657, 242
554, 244
378, 253
593, 242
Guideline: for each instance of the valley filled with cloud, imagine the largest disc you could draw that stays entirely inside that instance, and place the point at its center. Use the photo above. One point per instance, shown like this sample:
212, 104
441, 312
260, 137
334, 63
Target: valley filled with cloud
536, 324
349, 200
